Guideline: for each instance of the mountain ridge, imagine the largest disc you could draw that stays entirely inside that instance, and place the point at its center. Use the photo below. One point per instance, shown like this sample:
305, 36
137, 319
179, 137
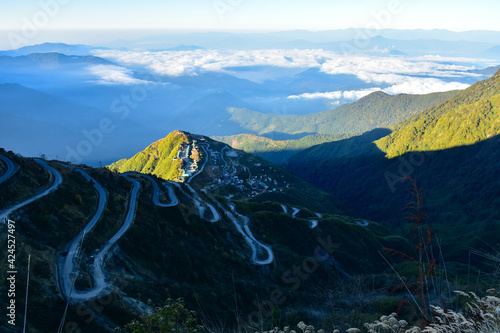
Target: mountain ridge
448, 148
193, 247
477, 104
385, 110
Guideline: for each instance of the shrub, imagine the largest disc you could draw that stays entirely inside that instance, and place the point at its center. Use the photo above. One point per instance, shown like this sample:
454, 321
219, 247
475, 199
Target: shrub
173, 317
479, 315
78, 199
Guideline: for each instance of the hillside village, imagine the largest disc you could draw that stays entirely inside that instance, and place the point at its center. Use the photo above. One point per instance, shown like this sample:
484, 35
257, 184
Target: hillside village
225, 166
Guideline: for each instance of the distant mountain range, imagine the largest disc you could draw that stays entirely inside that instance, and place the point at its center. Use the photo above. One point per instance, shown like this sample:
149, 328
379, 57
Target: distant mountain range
35, 122
410, 42
237, 100
385, 42
375, 110
277, 137
67, 49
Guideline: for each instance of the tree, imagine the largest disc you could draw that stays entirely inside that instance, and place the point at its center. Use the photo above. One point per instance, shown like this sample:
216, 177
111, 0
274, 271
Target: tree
78, 199
172, 317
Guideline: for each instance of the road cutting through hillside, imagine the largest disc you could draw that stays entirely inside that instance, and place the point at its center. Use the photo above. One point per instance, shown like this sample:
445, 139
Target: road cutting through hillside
56, 181
97, 267
174, 201
241, 223
100, 286
11, 168
314, 223
200, 169
66, 264
202, 205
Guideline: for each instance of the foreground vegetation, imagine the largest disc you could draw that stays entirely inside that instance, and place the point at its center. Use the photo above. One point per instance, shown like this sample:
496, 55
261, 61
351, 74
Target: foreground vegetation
478, 315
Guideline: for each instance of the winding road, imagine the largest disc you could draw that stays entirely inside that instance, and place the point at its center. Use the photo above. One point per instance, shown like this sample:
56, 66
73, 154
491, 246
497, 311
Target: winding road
11, 168
66, 265
100, 285
99, 279
202, 205
200, 169
174, 201
56, 181
241, 220
314, 223
363, 223
66, 268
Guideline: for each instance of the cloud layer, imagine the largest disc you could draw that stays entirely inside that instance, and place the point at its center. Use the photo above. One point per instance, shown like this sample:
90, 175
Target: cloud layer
392, 75
109, 74
410, 85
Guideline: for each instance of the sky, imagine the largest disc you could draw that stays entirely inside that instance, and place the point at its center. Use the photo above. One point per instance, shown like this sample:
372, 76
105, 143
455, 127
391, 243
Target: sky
39, 19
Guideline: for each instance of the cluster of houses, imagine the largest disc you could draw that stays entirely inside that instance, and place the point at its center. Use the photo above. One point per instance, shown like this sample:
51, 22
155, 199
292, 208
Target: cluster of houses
190, 166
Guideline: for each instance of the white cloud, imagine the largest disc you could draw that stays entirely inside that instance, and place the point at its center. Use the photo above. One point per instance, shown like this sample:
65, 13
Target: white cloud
371, 69
394, 75
336, 95
113, 74
391, 70
406, 85
424, 86
176, 63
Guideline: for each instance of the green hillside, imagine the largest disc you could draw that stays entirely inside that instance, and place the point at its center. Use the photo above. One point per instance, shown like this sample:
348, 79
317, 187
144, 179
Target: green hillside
451, 149
174, 252
373, 111
468, 117
157, 159
276, 151
279, 137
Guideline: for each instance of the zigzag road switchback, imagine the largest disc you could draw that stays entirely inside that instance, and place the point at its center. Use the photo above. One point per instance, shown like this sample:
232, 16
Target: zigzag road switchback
56, 181
174, 201
66, 264
241, 223
11, 168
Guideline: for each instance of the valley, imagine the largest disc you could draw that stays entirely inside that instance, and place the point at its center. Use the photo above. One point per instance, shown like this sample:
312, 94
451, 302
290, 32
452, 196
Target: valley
251, 181
96, 260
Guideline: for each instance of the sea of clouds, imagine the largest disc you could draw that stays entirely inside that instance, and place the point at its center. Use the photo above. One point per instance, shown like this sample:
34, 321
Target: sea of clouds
391, 74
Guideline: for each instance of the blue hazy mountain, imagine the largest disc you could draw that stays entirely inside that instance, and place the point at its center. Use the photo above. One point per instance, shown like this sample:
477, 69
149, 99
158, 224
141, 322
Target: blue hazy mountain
411, 42
493, 52
185, 48
415, 34
386, 46
30, 103
67, 49
49, 72
489, 71
34, 122
209, 115
51, 60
